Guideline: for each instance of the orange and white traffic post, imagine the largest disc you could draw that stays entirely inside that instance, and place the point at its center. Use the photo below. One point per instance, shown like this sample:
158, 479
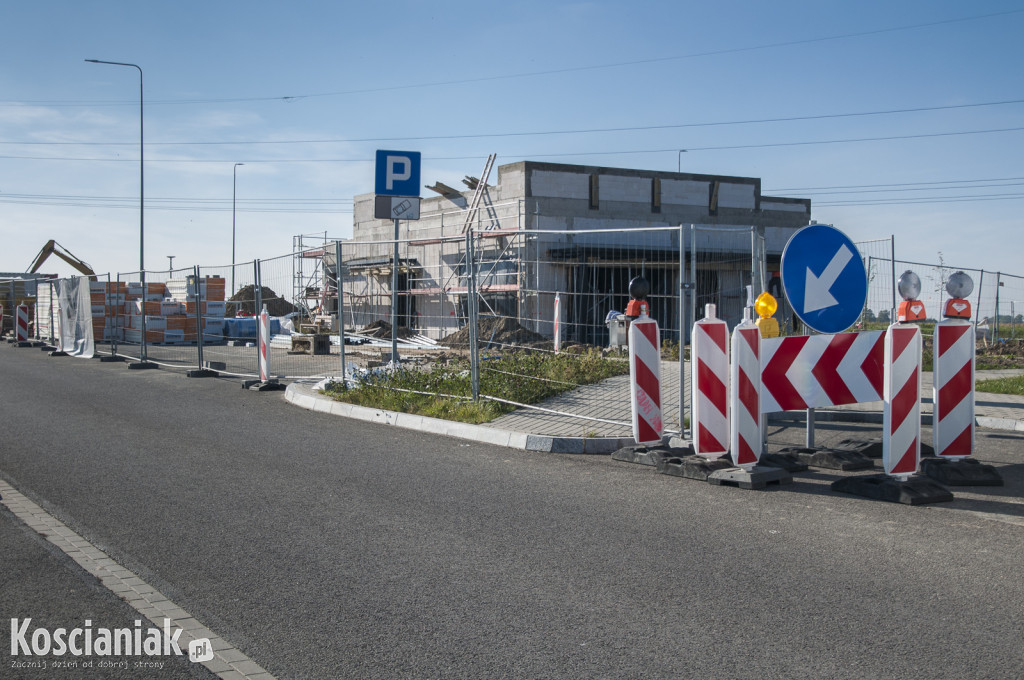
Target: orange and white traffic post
953, 388
710, 385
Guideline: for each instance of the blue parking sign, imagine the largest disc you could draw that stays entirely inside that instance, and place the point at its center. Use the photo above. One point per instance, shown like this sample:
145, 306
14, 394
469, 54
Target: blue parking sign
398, 173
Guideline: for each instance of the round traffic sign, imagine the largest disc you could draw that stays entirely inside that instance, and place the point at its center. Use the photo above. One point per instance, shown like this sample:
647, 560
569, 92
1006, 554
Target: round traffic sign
824, 278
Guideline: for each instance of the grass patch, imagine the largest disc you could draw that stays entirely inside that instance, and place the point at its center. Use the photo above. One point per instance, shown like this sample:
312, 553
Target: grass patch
1013, 385
521, 376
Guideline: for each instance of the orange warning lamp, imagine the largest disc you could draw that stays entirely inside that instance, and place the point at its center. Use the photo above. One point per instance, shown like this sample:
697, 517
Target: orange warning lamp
911, 309
959, 286
765, 306
638, 291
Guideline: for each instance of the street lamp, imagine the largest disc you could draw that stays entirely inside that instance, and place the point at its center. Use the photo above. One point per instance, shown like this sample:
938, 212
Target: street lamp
234, 195
679, 160
142, 204
170, 264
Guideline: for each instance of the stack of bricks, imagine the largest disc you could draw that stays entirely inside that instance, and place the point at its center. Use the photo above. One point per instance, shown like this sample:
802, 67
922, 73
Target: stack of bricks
170, 311
108, 309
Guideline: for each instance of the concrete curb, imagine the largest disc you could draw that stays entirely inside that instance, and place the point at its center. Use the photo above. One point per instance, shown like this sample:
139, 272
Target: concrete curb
305, 397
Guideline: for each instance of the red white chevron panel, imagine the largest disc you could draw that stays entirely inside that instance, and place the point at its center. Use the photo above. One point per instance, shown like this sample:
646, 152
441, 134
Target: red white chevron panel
264, 347
901, 441
746, 439
645, 380
953, 389
21, 327
821, 370
710, 380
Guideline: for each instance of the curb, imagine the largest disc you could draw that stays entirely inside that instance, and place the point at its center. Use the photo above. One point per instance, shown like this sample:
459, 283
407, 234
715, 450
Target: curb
303, 396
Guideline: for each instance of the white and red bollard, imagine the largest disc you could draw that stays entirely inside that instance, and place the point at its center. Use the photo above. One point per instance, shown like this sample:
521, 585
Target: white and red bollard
901, 441
21, 324
710, 385
645, 379
264, 345
746, 436
953, 389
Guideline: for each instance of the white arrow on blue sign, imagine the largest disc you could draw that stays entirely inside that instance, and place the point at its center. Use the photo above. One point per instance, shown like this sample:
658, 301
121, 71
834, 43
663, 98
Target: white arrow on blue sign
824, 278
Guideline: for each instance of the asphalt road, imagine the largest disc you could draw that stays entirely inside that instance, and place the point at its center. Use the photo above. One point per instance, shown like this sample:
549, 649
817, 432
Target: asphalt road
326, 548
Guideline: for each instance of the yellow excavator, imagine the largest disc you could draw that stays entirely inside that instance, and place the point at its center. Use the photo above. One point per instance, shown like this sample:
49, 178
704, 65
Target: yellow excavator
54, 248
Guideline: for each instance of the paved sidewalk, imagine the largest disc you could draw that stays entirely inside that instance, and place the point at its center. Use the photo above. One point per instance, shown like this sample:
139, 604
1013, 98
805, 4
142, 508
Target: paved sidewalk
601, 414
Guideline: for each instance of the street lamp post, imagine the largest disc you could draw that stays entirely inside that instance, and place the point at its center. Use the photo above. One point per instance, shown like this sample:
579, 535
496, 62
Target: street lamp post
170, 264
143, 363
679, 160
234, 195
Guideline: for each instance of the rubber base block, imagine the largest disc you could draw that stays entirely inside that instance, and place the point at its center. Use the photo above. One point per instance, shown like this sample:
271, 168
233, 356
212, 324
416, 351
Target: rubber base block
649, 455
693, 467
107, 359
966, 472
830, 459
914, 491
758, 477
872, 448
201, 373
257, 386
787, 461
141, 365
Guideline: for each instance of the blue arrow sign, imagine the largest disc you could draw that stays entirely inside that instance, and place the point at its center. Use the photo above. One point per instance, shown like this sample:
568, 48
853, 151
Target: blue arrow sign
824, 278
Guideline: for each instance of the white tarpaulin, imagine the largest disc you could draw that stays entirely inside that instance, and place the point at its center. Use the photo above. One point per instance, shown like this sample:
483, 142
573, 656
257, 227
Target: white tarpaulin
75, 318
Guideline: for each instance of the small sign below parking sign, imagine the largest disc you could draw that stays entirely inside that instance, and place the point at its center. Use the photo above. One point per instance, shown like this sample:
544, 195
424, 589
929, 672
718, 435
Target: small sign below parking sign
396, 207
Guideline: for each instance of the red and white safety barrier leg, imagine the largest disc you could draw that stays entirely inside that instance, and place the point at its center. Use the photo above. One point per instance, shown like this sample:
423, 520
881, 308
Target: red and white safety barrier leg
264, 345
645, 379
901, 441
746, 437
21, 324
953, 389
710, 381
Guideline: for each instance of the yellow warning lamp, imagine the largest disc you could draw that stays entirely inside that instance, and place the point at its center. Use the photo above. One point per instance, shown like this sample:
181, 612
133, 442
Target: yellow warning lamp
765, 306
959, 286
911, 309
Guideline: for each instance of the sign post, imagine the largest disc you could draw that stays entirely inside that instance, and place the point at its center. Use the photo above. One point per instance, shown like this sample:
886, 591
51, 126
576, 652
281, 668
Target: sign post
397, 185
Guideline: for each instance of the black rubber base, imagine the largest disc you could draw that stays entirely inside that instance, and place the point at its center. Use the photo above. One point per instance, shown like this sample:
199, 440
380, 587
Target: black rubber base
758, 477
141, 365
58, 353
47, 348
829, 459
649, 455
693, 467
787, 461
872, 448
201, 373
106, 358
257, 386
915, 491
965, 472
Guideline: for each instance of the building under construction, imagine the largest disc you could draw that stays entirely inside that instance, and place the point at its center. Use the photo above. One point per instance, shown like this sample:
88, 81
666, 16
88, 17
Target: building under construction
545, 228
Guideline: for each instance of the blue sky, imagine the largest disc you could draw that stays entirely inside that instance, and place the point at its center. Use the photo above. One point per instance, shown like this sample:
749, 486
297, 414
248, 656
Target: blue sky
304, 92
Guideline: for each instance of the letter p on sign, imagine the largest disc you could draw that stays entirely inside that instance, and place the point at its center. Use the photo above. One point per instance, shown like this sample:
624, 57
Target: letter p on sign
398, 173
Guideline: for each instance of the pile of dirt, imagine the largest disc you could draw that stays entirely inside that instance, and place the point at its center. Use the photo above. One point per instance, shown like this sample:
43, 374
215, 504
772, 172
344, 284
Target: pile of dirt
382, 329
498, 330
245, 301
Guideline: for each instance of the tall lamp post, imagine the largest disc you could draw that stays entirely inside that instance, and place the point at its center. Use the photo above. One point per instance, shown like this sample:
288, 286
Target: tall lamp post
234, 195
143, 362
170, 264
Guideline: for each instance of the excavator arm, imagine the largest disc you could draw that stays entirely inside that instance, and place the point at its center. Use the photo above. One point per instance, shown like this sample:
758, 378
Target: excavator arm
54, 248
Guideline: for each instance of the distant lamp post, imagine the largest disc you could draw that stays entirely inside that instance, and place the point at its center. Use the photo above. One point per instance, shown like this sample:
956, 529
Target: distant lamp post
143, 362
234, 196
170, 264
679, 160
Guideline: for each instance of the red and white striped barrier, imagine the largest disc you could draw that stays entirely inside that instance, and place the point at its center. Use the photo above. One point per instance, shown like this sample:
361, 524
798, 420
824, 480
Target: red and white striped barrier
21, 325
953, 389
645, 379
821, 370
710, 380
558, 323
901, 441
746, 438
264, 345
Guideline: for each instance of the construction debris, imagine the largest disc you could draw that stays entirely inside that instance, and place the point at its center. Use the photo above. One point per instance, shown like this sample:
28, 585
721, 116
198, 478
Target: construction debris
245, 301
500, 330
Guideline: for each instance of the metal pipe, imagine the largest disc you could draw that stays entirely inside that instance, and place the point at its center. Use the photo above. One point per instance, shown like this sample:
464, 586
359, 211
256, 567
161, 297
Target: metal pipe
341, 306
394, 299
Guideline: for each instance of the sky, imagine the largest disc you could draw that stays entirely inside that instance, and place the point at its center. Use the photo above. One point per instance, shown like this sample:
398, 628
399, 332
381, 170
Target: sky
901, 118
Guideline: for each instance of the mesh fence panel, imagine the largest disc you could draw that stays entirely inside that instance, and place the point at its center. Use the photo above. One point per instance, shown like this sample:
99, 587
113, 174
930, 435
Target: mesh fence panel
880, 305
1010, 310
228, 323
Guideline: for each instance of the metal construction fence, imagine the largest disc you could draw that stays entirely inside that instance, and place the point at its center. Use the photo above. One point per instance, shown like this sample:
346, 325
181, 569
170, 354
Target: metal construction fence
476, 288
